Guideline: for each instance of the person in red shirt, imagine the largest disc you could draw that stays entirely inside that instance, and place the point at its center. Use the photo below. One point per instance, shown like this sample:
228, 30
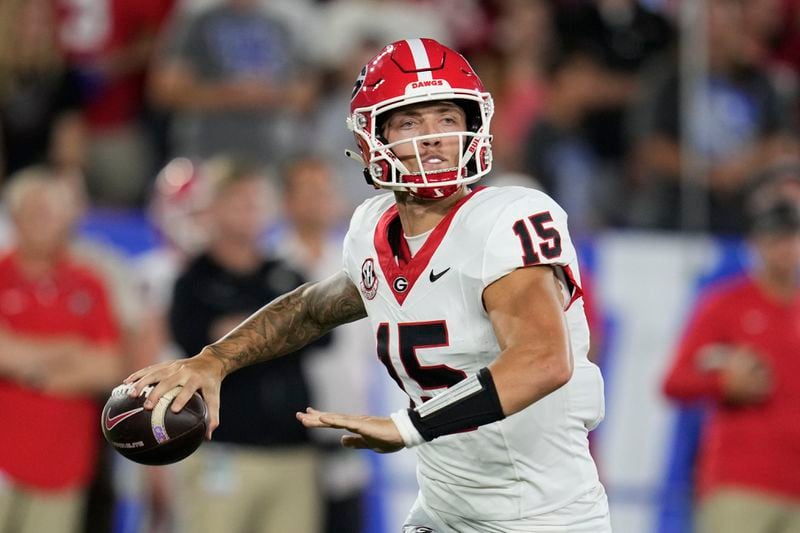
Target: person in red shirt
108, 45
741, 355
58, 347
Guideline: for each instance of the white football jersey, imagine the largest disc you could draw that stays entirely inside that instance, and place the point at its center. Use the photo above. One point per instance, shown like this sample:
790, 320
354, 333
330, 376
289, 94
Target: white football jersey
432, 331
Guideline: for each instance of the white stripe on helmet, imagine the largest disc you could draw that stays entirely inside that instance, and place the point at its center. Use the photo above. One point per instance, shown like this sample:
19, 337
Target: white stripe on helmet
421, 60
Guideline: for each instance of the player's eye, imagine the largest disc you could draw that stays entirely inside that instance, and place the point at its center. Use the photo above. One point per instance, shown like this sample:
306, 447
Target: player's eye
449, 120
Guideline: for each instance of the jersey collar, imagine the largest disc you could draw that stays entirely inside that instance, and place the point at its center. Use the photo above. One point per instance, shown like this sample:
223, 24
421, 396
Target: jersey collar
402, 273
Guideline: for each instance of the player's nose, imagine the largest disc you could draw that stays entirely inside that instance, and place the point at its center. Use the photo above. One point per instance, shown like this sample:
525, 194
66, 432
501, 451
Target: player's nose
431, 141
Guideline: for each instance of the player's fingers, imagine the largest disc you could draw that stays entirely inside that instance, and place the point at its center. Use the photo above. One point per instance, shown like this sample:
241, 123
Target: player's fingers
310, 418
163, 386
212, 401
307, 421
139, 374
334, 420
183, 397
155, 374
136, 376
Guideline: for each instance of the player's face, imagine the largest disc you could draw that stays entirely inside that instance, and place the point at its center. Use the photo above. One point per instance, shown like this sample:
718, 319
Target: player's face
780, 253
44, 219
312, 200
241, 212
436, 153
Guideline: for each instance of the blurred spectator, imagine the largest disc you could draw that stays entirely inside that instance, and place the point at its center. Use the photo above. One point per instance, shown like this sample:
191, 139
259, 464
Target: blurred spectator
253, 476
556, 151
346, 23
330, 138
763, 27
769, 28
621, 36
106, 261
739, 126
779, 182
787, 44
116, 275
312, 243
179, 211
234, 81
109, 44
40, 118
58, 347
524, 37
739, 356
468, 23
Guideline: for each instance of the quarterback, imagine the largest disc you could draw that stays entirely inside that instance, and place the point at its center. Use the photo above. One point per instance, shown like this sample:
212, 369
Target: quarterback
474, 297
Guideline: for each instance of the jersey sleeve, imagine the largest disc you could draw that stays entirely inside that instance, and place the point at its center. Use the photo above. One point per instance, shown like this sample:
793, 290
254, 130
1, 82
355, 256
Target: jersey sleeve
356, 226
531, 230
347, 255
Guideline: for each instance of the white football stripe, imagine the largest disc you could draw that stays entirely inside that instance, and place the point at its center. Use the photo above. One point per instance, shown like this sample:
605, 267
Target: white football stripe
157, 425
421, 60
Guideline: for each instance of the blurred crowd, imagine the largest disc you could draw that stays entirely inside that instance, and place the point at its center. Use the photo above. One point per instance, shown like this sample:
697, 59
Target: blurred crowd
223, 122
596, 101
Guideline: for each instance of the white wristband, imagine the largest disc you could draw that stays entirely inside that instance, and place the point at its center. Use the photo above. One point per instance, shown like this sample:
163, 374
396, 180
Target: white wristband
411, 437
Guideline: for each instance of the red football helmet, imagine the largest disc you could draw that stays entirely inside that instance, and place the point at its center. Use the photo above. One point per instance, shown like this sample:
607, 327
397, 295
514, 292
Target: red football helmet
181, 197
409, 72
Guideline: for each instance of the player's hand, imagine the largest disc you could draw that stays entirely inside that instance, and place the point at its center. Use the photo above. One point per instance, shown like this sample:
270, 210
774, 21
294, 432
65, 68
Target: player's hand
746, 379
203, 373
376, 433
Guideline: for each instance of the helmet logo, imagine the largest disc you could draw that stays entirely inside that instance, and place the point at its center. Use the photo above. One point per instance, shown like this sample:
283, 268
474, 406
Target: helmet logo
359, 81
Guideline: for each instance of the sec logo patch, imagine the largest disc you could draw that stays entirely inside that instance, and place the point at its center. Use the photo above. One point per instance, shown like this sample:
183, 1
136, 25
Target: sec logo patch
369, 279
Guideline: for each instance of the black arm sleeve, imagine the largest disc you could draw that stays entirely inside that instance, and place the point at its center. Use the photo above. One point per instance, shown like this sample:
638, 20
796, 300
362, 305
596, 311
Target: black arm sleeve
470, 403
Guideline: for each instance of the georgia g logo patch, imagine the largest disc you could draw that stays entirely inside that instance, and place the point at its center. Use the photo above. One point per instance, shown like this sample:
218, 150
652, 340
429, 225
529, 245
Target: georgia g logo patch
369, 279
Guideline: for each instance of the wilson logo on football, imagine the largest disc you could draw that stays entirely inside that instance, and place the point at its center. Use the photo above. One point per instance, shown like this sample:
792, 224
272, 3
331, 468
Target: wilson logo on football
113, 421
369, 279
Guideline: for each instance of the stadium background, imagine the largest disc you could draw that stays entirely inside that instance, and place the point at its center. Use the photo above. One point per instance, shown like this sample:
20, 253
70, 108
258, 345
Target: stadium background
645, 275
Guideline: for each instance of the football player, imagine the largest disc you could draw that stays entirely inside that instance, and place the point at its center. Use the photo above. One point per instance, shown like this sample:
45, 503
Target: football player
474, 297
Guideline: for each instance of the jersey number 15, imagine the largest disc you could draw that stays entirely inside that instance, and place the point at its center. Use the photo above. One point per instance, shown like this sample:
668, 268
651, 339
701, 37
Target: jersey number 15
411, 336
550, 245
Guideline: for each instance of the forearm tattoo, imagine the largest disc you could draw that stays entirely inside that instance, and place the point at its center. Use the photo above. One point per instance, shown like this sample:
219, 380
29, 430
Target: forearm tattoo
290, 322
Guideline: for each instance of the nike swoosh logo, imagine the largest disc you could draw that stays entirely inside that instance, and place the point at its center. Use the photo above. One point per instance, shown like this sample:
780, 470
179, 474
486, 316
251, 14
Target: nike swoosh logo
113, 421
433, 277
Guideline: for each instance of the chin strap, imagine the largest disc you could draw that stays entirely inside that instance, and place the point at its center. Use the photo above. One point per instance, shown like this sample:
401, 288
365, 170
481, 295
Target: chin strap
368, 178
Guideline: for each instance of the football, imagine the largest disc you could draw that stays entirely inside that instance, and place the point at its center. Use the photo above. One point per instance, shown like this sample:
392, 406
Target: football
156, 437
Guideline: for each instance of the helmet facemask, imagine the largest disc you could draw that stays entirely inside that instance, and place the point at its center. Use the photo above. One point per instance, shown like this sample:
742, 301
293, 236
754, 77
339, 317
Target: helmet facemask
387, 171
